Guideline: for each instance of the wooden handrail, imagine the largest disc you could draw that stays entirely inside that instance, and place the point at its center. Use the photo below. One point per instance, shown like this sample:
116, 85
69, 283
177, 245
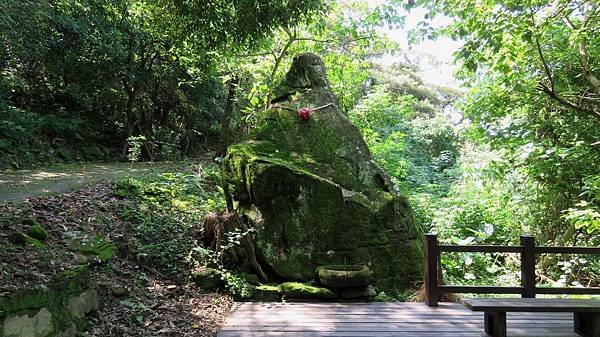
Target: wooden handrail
480, 249
528, 251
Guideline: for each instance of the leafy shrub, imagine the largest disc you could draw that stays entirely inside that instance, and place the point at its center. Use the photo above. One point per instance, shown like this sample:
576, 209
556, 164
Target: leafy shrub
29, 138
165, 212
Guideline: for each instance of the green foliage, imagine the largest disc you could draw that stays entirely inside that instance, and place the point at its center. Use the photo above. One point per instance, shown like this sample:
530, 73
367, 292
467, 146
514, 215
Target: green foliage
164, 211
345, 38
530, 157
135, 147
410, 135
27, 138
236, 285
379, 116
383, 297
77, 78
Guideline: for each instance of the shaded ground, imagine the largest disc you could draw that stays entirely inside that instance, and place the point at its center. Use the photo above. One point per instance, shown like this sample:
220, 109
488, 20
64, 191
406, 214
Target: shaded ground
136, 299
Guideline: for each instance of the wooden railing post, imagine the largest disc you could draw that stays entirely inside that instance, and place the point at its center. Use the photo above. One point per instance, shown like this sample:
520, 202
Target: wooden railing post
432, 255
528, 266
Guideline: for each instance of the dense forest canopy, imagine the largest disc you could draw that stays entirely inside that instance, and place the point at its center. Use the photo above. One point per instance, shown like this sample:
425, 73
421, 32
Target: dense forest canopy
97, 72
514, 150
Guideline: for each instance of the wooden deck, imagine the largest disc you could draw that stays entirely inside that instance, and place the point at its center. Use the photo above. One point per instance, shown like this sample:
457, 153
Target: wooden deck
381, 320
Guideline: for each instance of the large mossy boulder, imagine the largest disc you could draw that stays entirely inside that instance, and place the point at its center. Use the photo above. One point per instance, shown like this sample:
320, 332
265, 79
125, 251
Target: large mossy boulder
312, 191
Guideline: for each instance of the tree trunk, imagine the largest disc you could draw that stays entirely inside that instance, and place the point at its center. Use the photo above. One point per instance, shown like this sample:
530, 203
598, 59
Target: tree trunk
226, 136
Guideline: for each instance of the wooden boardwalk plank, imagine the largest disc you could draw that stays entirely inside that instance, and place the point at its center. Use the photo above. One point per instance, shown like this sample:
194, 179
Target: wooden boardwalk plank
381, 320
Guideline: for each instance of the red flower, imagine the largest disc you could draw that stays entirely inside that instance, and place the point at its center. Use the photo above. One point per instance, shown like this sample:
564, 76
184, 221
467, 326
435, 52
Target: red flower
304, 113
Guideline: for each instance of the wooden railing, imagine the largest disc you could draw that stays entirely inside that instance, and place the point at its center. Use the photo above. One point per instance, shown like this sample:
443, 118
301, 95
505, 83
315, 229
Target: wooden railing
528, 251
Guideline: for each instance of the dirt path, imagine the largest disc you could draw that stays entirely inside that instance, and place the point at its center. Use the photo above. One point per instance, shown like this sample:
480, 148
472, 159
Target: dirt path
23, 184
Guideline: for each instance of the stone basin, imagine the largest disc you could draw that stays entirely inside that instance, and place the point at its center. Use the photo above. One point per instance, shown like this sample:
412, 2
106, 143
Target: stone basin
344, 276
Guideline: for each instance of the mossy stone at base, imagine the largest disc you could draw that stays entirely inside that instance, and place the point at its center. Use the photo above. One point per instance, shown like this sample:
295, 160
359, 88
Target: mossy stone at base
266, 293
40, 324
48, 310
38, 232
344, 276
208, 279
96, 246
83, 304
305, 290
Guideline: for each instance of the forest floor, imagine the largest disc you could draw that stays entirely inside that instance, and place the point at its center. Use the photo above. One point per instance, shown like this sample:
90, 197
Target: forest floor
137, 299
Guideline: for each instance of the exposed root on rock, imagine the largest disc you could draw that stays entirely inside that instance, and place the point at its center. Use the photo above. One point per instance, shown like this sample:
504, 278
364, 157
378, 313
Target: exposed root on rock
217, 227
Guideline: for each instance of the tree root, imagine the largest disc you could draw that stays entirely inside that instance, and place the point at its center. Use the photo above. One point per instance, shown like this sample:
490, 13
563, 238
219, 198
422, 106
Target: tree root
217, 227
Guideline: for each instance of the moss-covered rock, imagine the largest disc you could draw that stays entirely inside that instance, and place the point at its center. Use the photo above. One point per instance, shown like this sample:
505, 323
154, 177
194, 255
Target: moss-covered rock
208, 279
95, 247
266, 293
30, 222
38, 232
36, 323
53, 309
313, 193
304, 290
22, 239
344, 276
18, 238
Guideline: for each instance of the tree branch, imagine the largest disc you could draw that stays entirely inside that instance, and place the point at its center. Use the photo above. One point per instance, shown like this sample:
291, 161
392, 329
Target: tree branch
279, 57
555, 96
253, 55
583, 55
544, 63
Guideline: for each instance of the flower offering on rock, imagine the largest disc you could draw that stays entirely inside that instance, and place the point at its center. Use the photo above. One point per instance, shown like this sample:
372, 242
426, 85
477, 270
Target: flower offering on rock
304, 113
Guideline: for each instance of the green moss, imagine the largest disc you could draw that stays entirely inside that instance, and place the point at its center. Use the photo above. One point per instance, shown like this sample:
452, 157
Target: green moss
78, 272
268, 287
35, 242
304, 290
18, 238
344, 276
38, 232
97, 246
25, 300
30, 222
284, 198
23, 239
54, 296
266, 293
